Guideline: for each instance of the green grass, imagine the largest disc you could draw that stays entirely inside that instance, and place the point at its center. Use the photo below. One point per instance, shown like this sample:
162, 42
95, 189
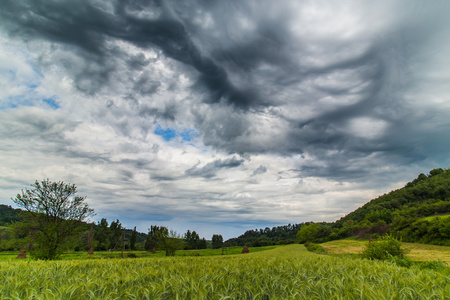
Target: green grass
287, 272
81, 255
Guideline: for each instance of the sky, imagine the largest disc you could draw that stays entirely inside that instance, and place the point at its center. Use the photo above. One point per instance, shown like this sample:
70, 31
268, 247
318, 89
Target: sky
223, 116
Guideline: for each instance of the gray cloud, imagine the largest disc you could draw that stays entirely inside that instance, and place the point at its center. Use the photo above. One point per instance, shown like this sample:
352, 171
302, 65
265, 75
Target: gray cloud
261, 170
302, 90
210, 169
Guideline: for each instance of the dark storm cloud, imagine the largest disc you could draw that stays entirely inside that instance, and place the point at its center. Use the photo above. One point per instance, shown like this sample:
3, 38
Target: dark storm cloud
210, 169
88, 26
325, 90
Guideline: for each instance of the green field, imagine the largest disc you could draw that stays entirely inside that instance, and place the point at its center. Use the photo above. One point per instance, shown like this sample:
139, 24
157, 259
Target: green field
287, 272
82, 255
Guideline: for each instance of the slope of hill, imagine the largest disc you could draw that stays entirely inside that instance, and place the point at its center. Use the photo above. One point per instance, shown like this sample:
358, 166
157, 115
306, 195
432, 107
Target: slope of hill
417, 212
405, 213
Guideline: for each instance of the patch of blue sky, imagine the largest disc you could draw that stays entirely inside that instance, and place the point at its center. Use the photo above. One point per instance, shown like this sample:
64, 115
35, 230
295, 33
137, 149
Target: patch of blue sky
28, 100
51, 102
169, 134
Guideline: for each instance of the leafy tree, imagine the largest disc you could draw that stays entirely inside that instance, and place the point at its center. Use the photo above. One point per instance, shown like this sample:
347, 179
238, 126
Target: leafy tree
202, 244
168, 240
314, 232
102, 234
55, 212
217, 241
133, 239
151, 241
115, 236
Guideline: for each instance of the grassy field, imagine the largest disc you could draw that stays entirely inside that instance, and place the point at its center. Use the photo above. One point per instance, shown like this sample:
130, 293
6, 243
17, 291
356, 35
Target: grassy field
287, 272
81, 255
417, 252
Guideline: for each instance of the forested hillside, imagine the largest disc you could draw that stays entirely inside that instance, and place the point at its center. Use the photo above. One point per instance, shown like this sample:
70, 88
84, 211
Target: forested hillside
8, 215
418, 212
268, 236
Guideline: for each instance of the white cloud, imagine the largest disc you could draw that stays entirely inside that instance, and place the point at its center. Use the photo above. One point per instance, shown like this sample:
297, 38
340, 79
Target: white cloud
304, 110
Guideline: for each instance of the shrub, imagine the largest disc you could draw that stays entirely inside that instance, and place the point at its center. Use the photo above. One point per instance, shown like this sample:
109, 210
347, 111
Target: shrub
314, 248
434, 264
383, 248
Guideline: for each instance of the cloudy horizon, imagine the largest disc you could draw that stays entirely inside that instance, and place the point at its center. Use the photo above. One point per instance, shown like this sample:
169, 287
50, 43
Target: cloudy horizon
223, 116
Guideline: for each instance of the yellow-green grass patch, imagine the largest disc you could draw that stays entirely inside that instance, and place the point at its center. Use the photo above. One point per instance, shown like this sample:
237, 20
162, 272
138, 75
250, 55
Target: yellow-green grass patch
422, 252
417, 252
344, 247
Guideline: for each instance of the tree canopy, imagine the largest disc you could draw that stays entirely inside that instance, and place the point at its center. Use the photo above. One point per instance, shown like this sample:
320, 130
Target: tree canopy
55, 213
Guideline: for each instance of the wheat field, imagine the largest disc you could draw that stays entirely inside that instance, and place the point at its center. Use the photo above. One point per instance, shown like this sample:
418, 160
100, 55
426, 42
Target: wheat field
288, 272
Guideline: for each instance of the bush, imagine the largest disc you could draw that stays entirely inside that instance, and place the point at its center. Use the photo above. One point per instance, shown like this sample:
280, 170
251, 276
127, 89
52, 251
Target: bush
383, 248
434, 264
314, 248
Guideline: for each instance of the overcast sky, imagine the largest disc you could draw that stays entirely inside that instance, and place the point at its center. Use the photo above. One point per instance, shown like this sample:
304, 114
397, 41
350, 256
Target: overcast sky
223, 116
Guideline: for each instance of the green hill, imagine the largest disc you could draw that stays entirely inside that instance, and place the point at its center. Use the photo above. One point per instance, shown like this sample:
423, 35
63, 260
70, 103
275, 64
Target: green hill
417, 212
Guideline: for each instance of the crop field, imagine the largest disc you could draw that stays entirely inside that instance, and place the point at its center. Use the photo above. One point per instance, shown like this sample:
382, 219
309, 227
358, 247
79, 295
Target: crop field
288, 272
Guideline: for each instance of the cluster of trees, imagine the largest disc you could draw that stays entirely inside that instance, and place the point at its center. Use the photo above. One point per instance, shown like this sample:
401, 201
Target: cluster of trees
54, 217
404, 213
193, 241
112, 236
268, 236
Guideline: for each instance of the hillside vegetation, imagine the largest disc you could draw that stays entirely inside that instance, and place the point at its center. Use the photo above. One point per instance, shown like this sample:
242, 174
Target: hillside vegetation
417, 212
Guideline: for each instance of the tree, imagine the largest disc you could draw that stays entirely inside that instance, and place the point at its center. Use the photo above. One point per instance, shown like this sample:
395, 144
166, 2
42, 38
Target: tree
192, 240
133, 239
151, 241
115, 235
314, 232
102, 235
168, 240
217, 241
56, 214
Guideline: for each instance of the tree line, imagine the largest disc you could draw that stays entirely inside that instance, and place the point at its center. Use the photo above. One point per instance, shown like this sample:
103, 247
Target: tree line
53, 219
278, 235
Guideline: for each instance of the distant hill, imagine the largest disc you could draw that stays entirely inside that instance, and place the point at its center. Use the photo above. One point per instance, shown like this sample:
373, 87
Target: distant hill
417, 212
8, 215
414, 213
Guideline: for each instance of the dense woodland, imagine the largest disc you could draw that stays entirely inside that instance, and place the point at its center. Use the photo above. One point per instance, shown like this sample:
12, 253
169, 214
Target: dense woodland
418, 212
